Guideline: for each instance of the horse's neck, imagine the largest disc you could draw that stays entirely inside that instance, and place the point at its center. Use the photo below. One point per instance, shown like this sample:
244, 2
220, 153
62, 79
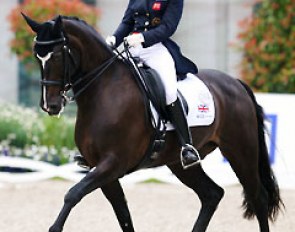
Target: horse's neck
93, 55
114, 90
91, 45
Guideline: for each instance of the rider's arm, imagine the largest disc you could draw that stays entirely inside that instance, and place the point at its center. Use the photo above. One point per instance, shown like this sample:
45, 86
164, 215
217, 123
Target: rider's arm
126, 26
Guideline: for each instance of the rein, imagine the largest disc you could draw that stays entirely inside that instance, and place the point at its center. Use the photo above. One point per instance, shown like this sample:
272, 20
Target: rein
96, 73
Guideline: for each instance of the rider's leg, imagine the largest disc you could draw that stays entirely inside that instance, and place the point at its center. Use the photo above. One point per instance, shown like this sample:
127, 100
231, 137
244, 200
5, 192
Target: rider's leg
159, 58
189, 155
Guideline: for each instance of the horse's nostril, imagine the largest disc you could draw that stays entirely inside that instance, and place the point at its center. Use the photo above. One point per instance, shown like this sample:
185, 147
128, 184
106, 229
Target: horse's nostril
54, 108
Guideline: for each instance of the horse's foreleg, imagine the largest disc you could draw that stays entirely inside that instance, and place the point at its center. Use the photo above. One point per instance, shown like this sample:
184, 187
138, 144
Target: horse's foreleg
114, 193
97, 177
209, 192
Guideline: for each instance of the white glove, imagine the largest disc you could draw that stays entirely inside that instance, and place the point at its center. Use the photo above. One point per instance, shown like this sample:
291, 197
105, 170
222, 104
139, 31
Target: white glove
111, 41
134, 40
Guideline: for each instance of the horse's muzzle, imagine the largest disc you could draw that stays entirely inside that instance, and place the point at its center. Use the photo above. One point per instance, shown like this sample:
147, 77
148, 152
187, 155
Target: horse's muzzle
55, 107
54, 110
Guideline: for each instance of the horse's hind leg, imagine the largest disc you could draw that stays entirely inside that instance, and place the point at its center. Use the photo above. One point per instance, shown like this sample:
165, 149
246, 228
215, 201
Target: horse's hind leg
114, 193
209, 192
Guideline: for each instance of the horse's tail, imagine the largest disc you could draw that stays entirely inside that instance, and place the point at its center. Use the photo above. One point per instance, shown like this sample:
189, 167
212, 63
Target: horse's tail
267, 176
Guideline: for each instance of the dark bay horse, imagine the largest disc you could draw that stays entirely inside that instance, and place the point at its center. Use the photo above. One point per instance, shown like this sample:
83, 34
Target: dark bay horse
112, 131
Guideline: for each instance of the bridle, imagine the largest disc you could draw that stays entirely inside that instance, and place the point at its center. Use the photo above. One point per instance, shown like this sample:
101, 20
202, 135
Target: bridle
68, 60
71, 79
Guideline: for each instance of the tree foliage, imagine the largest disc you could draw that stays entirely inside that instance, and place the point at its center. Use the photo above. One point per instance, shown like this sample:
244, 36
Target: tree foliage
43, 10
268, 45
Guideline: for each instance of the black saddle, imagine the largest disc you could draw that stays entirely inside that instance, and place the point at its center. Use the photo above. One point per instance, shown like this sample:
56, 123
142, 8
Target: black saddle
156, 91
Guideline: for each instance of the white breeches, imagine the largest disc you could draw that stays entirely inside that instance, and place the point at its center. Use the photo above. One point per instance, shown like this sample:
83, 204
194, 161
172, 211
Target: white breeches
159, 58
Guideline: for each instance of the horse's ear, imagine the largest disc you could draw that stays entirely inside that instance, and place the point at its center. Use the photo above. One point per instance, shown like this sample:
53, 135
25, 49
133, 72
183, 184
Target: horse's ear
58, 25
35, 26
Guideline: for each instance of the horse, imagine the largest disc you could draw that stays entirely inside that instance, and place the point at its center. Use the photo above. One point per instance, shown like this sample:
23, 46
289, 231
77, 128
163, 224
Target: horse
112, 131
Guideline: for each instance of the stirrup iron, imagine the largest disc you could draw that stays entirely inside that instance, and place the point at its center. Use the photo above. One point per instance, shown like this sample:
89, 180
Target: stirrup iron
189, 147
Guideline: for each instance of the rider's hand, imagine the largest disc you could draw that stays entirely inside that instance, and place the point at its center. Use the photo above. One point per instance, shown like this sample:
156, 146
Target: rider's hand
111, 41
134, 40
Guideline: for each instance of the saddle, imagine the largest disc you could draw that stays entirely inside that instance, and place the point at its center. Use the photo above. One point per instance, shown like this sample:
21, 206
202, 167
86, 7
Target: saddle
154, 94
154, 88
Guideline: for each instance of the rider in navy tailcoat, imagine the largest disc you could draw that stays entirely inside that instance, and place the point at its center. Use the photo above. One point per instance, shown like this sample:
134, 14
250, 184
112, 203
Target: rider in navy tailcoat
147, 26
156, 19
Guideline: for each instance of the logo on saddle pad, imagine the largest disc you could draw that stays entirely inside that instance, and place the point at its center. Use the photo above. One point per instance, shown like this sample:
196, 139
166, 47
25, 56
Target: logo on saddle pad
203, 108
199, 101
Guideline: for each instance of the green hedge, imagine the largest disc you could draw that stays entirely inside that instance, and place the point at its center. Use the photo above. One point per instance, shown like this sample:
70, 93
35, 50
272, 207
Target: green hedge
28, 133
268, 46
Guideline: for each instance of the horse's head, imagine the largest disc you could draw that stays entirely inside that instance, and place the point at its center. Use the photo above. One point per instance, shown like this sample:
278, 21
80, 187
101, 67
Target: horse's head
72, 55
54, 57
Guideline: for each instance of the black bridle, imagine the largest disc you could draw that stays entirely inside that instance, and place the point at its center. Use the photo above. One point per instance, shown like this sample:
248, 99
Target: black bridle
67, 57
71, 79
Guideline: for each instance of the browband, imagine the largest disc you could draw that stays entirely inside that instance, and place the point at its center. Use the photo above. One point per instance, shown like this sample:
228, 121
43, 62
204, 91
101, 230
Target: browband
49, 42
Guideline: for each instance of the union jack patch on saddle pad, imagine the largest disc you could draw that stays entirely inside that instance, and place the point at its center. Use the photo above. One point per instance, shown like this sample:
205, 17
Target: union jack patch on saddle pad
201, 109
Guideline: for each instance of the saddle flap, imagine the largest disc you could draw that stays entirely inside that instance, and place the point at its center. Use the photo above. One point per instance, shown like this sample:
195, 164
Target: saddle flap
155, 89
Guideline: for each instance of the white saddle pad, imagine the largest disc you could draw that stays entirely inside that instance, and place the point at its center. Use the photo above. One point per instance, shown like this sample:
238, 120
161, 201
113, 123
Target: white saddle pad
201, 110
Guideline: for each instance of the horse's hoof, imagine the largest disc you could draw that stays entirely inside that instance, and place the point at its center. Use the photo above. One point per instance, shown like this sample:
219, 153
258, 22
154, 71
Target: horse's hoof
55, 229
81, 161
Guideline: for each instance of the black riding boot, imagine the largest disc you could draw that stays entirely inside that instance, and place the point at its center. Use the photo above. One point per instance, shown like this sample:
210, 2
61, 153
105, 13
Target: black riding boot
189, 155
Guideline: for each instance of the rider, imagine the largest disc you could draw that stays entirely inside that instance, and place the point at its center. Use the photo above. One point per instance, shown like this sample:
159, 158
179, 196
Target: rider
147, 26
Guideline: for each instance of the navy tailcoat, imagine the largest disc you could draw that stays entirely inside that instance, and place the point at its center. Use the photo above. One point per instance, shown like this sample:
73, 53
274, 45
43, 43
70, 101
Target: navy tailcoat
157, 20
